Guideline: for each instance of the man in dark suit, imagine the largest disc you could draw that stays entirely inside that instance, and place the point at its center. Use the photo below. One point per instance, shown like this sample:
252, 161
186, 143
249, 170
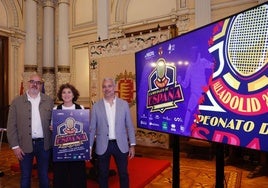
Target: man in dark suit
112, 129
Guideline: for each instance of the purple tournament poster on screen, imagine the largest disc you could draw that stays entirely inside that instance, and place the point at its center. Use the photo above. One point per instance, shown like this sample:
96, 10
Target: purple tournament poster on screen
70, 135
210, 83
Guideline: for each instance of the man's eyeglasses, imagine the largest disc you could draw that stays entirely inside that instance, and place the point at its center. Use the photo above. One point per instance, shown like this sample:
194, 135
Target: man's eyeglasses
35, 82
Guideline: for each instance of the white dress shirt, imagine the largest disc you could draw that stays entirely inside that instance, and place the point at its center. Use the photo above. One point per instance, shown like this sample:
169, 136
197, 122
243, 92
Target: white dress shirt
110, 113
37, 129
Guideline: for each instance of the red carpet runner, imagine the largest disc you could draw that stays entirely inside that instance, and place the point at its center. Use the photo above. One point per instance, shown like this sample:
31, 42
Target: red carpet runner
141, 172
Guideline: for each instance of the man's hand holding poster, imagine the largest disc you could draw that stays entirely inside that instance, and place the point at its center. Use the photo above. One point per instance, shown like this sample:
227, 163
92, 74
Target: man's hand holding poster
70, 135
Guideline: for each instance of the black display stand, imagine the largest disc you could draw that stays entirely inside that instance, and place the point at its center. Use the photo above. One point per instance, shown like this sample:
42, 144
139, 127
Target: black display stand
176, 164
219, 166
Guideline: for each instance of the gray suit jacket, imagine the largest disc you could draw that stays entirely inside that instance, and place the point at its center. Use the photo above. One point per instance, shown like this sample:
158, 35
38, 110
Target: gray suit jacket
99, 127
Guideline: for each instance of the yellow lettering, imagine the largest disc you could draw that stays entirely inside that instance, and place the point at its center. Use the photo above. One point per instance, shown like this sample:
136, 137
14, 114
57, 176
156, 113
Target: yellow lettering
230, 124
234, 124
265, 98
241, 103
238, 124
264, 128
205, 120
248, 126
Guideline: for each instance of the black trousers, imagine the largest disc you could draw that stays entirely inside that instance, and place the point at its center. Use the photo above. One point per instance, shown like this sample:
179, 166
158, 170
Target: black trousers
71, 174
121, 160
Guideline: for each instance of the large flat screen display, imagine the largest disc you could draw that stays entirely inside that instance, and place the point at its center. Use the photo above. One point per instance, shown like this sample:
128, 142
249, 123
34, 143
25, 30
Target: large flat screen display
210, 83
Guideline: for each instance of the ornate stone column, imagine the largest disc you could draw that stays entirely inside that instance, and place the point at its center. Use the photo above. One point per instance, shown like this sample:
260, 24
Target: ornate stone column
48, 48
103, 19
202, 12
63, 74
182, 23
30, 56
15, 66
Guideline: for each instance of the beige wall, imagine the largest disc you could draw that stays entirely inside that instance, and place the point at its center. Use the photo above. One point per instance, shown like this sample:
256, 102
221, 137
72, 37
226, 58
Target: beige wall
137, 15
124, 17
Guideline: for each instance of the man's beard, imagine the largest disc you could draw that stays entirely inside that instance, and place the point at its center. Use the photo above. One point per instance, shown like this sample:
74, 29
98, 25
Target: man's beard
34, 90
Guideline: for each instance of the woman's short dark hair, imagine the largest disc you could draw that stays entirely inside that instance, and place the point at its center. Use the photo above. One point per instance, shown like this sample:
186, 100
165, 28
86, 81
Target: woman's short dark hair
72, 88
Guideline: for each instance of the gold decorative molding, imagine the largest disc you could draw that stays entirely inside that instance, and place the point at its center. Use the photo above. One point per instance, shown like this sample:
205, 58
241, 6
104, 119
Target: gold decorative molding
30, 68
49, 3
152, 138
48, 70
64, 68
64, 1
127, 45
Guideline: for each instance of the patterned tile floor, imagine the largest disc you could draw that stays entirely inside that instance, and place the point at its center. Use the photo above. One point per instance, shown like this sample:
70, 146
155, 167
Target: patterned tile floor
164, 180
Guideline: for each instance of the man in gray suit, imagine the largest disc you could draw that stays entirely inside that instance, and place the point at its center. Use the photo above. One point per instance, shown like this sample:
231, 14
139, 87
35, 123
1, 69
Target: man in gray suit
112, 129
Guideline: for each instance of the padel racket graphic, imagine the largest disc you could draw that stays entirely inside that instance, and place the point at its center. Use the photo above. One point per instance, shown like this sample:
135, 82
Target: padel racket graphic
247, 43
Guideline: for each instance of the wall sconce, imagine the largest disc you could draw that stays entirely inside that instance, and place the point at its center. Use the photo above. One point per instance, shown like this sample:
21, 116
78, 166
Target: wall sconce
93, 64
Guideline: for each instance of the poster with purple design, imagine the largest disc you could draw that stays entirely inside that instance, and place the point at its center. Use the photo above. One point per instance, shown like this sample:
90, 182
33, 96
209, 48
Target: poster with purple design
210, 83
70, 135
